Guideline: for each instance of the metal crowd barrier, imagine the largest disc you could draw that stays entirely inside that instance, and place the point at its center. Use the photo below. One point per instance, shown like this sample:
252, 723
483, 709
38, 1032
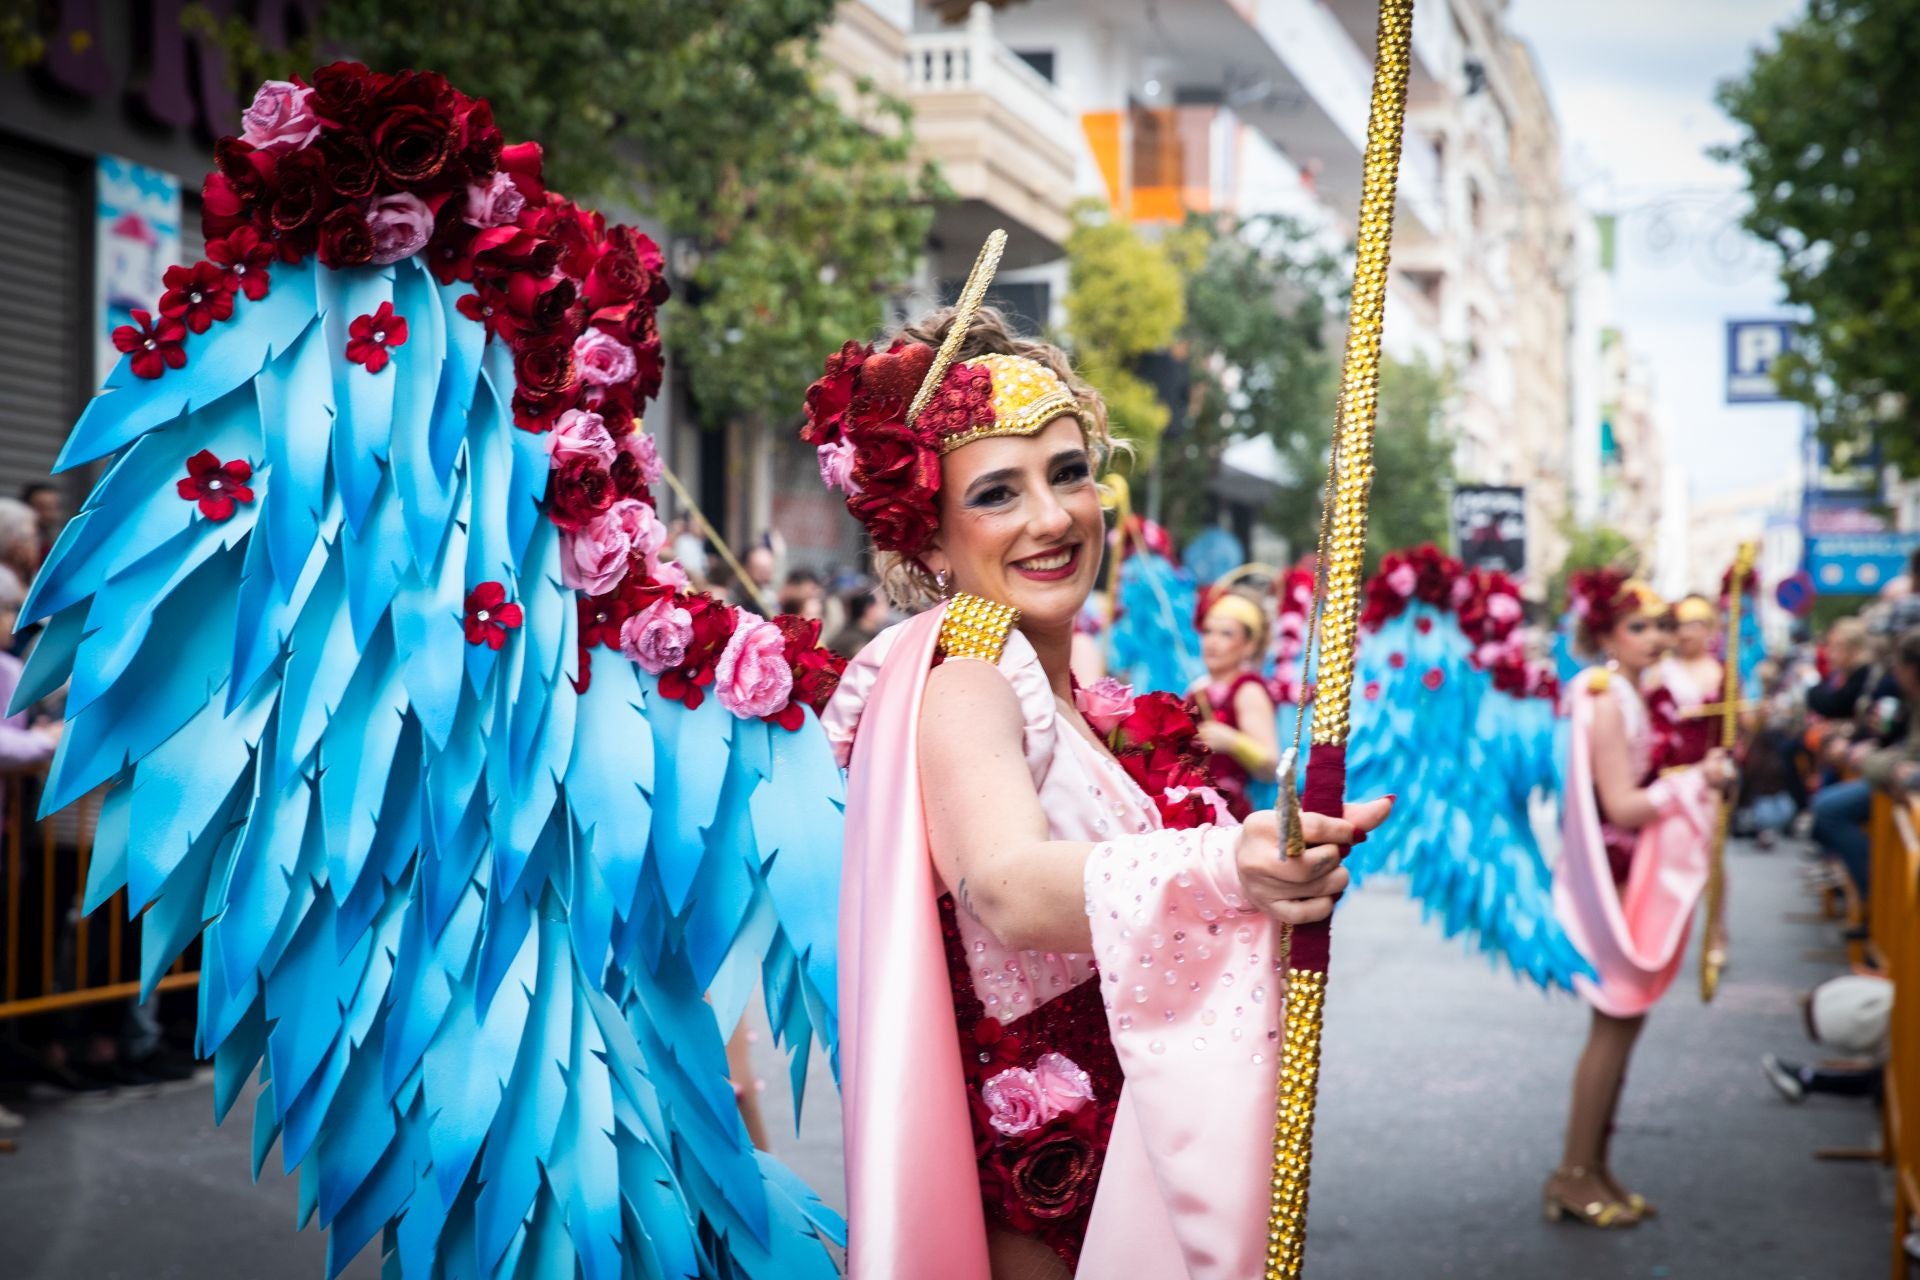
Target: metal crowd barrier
1893, 925
51, 954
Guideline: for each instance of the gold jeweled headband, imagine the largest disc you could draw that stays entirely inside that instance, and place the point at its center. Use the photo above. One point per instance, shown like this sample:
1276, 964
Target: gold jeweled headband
1027, 395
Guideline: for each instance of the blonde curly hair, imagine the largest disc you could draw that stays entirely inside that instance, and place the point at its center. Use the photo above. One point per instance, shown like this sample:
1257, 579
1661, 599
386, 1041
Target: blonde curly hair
905, 580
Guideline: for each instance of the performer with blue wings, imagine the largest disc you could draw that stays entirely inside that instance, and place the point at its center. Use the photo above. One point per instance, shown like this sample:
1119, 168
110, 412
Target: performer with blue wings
485, 824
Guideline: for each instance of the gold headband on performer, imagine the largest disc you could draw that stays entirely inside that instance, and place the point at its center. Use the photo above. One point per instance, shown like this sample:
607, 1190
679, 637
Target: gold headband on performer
1694, 609
1639, 600
1238, 608
1026, 395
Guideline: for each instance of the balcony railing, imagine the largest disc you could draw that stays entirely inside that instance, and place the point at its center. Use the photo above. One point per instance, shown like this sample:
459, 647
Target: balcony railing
974, 61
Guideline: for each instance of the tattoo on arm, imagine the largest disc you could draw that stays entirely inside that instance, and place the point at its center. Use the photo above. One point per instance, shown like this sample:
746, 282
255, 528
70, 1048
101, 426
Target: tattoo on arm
966, 899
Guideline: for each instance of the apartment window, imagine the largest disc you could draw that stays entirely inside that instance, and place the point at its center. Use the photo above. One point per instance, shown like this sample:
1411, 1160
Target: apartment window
1040, 60
1172, 161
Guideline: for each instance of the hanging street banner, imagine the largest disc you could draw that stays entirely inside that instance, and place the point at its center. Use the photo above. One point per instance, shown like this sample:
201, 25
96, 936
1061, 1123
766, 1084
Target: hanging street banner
1490, 527
136, 237
1752, 347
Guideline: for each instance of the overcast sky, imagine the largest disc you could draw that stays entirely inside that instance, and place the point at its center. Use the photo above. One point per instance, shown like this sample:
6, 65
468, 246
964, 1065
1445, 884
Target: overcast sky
1632, 83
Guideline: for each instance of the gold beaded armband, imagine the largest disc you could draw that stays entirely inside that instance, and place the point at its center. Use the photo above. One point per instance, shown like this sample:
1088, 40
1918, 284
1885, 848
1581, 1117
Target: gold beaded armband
976, 628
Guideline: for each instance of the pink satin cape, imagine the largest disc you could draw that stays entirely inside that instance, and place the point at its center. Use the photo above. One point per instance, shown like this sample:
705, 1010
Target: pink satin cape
1635, 936
1184, 1188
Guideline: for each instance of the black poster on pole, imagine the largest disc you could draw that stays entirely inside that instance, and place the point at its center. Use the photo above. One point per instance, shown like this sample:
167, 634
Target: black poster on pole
1490, 526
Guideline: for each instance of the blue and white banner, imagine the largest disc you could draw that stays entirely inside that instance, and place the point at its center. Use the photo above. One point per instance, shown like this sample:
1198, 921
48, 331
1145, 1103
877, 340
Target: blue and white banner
1858, 563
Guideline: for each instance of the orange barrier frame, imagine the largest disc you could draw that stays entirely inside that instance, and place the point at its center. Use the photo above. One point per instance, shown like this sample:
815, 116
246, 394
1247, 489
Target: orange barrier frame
1893, 926
36, 984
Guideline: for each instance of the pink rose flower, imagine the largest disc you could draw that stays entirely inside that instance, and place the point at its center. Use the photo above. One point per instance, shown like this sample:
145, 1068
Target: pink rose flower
657, 636
1015, 1102
668, 573
595, 559
836, 467
752, 677
636, 520
1062, 1083
401, 226
580, 434
1403, 578
645, 452
1462, 591
280, 118
1502, 607
1105, 704
494, 203
603, 360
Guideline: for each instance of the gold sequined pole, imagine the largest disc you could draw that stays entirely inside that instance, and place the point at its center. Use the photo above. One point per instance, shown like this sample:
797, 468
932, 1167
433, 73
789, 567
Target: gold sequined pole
1350, 479
1712, 958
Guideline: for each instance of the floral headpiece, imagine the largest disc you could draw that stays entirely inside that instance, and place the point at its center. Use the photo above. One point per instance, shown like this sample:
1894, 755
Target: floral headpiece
881, 421
1604, 598
365, 170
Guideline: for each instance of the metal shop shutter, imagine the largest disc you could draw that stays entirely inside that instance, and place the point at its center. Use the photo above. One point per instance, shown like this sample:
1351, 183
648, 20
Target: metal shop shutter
46, 354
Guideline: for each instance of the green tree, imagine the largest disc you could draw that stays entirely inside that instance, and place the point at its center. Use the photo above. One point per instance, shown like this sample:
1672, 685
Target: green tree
1831, 153
1589, 546
714, 119
1412, 459
1124, 300
1261, 297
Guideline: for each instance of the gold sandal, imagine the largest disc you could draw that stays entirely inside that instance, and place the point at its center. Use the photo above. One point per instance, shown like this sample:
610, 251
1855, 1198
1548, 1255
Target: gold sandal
1607, 1215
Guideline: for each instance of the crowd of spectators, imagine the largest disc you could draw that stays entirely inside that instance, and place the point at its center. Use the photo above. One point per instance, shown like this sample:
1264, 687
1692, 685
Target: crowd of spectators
1840, 722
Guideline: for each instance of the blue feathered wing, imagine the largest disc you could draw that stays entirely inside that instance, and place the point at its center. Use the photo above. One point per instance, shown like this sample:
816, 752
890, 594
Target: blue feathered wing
1153, 643
477, 932
1470, 765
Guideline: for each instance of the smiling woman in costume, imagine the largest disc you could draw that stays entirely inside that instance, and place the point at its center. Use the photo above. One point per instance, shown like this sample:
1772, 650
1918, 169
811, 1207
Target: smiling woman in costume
1632, 866
1041, 897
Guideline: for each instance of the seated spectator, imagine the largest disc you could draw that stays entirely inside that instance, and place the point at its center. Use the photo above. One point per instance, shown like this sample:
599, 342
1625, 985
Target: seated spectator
1879, 720
1896, 767
23, 745
1851, 1015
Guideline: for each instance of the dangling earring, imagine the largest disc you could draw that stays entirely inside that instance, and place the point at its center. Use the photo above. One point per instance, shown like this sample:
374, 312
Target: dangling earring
940, 583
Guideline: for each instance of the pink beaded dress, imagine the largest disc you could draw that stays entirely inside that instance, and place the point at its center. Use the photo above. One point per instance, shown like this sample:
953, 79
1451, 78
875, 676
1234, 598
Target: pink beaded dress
1119, 1105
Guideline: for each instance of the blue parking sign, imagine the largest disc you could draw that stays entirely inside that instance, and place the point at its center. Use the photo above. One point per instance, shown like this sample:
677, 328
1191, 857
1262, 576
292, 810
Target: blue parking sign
1752, 347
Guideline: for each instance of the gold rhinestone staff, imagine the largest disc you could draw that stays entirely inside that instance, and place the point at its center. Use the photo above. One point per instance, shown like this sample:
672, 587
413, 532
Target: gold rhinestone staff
1712, 956
1350, 477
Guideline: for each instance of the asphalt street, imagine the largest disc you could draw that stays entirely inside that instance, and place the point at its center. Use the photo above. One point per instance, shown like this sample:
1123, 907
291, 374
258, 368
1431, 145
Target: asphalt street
1444, 1093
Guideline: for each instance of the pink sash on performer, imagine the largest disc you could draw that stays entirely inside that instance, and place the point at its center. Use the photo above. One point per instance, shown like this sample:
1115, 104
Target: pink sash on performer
1635, 937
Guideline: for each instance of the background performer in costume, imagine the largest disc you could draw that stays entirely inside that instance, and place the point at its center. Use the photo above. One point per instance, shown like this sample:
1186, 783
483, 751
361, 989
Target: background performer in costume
1236, 713
1684, 680
1022, 924
1632, 868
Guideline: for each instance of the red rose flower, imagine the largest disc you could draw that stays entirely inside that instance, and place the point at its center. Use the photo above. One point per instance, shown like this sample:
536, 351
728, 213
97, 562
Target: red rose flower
217, 486
154, 348
507, 251
899, 478
489, 616
248, 173
351, 167
369, 337
342, 93
1398, 661
539, 310
577, 492
197, 296
246, 260
832, 394
222, 211
1433, 678
545, 369
713, 624
413, 143
480, 142
1423, 624
1053, 1175
301, 193
1184, 814
346, 241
